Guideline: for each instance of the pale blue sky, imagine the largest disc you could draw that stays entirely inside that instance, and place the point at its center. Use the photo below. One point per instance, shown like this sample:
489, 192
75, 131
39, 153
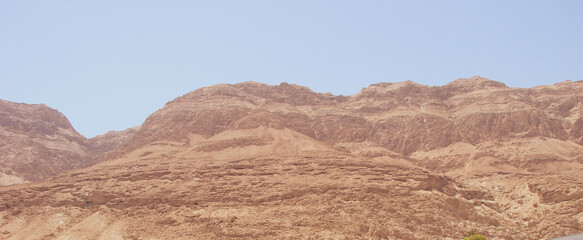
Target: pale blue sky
107, 65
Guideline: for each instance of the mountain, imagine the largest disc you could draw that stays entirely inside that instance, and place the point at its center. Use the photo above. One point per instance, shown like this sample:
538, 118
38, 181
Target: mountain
401, 117
38, 142
394, 161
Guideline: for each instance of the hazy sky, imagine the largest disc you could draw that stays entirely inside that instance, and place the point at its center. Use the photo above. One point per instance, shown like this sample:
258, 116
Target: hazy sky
107, 65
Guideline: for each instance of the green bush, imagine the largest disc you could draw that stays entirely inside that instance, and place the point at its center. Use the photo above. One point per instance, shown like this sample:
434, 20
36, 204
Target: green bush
472, 235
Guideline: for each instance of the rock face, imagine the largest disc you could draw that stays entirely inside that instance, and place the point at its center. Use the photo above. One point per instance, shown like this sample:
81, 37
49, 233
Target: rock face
395, 161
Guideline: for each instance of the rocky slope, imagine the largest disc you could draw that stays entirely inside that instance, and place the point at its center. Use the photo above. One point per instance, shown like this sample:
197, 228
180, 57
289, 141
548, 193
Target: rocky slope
38, 142
103, 144
396, 161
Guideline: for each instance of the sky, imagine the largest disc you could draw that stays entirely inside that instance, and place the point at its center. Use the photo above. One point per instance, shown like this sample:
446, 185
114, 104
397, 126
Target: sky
108, 65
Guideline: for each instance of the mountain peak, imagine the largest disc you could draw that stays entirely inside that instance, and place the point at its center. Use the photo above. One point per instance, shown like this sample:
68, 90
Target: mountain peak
37, 142
474, 83
395, 86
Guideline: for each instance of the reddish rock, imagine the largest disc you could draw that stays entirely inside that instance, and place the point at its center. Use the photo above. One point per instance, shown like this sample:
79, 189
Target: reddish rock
395, 161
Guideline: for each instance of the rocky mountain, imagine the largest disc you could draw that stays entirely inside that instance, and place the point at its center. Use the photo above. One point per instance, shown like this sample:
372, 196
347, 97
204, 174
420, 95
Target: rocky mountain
38, 142
401, 117
395, 161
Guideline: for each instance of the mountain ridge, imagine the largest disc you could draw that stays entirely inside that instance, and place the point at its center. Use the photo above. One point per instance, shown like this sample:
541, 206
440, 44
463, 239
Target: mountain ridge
438, 104
396, 160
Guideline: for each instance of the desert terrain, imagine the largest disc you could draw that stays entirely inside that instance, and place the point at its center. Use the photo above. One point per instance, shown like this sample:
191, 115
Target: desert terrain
256, 161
